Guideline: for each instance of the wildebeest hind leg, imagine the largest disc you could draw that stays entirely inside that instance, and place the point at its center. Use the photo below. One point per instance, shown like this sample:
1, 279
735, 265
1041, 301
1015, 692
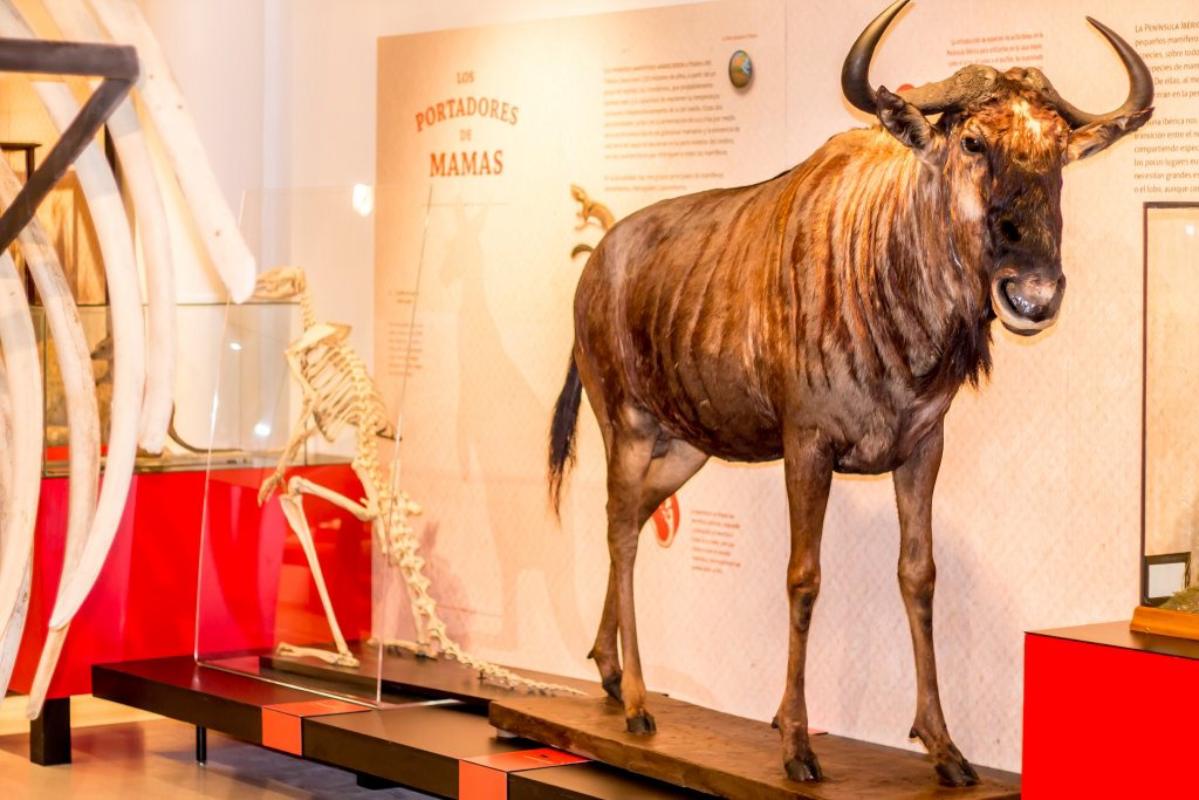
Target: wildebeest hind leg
636, 482
604, 651
665, 475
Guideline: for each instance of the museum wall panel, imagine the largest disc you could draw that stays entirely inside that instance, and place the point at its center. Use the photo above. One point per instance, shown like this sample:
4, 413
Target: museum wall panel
1038, 509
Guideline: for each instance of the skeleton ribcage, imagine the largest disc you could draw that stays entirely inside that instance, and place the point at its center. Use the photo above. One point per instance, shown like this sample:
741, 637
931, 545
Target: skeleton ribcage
342, 393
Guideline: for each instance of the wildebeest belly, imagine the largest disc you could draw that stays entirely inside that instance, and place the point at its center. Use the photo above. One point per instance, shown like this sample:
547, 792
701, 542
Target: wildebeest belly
711, 403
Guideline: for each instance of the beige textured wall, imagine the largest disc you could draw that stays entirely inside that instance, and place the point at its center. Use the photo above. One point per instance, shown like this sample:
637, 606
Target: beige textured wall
1038, 506
1037, 509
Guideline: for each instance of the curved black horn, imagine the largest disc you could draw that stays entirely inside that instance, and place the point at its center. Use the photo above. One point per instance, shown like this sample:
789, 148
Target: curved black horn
855, 77
963, 86
1140, 84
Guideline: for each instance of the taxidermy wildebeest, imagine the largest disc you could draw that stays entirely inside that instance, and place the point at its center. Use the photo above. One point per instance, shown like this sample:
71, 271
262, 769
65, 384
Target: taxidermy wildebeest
828, 317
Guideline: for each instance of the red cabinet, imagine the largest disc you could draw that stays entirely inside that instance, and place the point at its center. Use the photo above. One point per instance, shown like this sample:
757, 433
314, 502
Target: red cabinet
1109, 714
144, 605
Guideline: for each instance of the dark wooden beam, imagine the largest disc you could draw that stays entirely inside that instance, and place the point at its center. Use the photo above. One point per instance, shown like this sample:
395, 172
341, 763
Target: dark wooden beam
118, 67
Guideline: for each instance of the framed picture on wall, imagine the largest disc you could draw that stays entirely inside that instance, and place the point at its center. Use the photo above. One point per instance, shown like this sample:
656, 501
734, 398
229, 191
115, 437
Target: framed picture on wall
1170, 426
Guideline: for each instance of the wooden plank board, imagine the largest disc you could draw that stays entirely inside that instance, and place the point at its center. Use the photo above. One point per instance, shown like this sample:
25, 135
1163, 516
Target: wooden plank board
730, 756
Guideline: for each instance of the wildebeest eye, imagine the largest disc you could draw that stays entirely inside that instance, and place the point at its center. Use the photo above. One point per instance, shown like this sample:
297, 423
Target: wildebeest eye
972, 144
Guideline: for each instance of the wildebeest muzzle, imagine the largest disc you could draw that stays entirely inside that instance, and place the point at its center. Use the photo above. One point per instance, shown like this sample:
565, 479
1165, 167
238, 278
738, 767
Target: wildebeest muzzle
1027, 300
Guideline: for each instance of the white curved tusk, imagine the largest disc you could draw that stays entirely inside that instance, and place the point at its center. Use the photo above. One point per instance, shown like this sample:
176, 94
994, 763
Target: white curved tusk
168, 112
10, 640
83, 414
10, 634
24, 378
116, 246
137, 168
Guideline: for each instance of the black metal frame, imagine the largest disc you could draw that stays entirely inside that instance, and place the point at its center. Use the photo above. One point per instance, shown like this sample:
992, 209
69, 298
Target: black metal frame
1145, 209
1165, 558
117, 65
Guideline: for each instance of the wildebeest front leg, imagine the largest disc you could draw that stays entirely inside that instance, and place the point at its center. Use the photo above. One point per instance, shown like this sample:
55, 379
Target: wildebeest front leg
808, 466
914, 483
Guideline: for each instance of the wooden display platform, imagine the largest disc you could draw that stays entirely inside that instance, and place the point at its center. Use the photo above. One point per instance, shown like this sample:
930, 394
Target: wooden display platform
1165, 622
405, 673
730, 756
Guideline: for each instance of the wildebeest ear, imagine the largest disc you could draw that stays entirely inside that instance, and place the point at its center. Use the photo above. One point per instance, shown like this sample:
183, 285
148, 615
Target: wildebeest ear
1090, 139
905, 122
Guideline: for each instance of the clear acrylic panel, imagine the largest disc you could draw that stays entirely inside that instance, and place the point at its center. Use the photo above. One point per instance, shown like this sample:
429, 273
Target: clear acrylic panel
288, 587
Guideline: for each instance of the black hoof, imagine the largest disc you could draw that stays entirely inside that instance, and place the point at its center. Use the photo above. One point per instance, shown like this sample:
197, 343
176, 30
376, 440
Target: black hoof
641, 724
956, 772
612, 687
804, 769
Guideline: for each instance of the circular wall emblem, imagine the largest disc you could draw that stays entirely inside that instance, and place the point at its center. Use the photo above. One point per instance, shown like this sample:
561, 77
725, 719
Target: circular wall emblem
666, 521
741, 69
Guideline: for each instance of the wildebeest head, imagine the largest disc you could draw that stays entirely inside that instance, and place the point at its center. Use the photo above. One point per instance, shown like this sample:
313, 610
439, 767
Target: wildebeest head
999, 146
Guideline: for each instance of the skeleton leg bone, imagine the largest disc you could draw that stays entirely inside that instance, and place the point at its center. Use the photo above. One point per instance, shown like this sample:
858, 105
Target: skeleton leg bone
293, 509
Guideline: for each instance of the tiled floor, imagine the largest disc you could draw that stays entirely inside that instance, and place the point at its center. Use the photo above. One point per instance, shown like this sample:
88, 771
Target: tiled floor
123, 754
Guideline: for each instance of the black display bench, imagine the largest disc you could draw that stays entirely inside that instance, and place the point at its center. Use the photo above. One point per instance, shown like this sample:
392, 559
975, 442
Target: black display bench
413, 742
446, 745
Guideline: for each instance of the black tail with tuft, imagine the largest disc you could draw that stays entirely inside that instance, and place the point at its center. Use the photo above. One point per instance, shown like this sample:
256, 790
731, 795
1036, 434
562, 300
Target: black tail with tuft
562, 431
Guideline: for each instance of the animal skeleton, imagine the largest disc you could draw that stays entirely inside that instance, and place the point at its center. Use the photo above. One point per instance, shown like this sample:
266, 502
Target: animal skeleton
143, 368
338, 392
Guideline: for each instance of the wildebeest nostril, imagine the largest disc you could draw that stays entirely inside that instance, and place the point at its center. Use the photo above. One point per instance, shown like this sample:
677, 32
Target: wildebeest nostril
1009, 231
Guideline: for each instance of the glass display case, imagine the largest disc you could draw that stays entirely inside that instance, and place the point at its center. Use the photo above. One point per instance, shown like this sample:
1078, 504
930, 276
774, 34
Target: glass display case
1170, 537
251, 334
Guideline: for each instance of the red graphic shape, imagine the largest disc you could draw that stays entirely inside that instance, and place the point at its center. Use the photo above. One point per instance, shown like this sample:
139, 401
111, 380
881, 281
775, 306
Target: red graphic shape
666, 520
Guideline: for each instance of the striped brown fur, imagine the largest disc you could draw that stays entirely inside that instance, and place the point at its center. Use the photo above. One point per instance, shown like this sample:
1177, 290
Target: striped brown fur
827, 317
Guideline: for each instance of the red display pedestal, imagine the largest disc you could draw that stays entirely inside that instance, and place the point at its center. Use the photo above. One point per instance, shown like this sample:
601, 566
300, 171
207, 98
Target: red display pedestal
1109, 713
144, 604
